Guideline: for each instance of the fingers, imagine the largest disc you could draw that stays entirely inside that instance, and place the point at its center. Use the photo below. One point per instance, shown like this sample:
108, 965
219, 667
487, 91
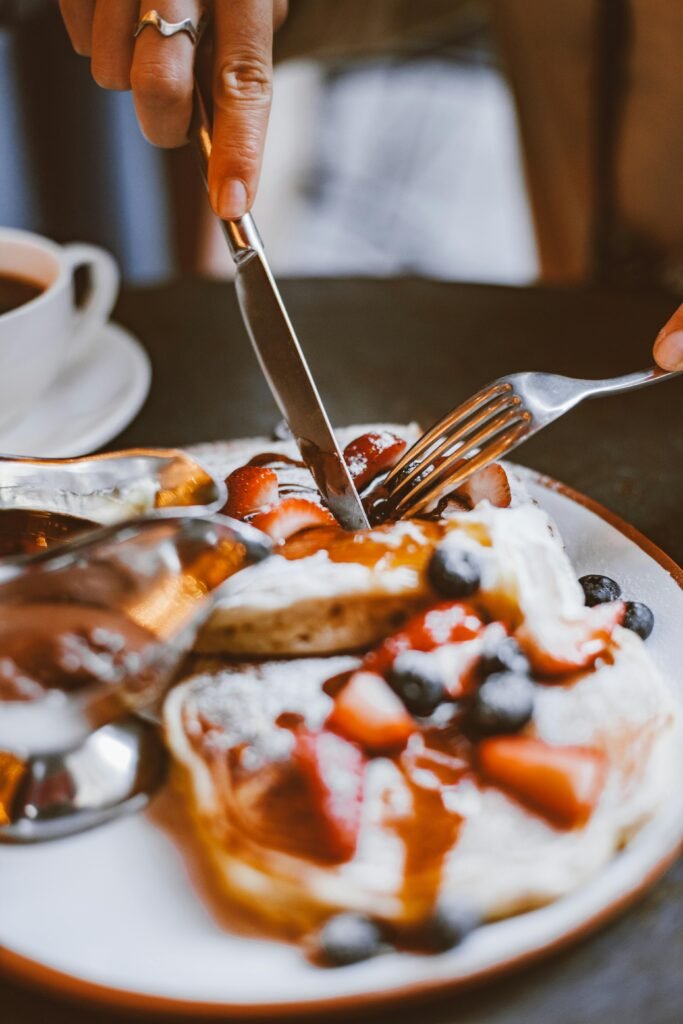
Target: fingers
162, 75
242, 89
112, 42
668, 348
78, 18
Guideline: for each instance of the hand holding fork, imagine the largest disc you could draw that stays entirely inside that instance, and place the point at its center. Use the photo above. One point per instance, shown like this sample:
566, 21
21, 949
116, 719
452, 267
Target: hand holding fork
503, 415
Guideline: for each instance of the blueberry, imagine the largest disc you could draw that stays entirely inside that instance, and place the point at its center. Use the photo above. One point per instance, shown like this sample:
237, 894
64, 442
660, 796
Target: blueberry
503, 704
447, 927
599, 589
504, 656
639, 618
347, 939
416, 678
453, 572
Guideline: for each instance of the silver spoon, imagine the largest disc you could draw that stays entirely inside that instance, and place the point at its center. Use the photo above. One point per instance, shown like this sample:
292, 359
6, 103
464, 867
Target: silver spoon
113, 773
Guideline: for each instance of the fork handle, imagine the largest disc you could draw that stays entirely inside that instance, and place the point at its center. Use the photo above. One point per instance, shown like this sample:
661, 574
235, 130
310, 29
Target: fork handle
628, 382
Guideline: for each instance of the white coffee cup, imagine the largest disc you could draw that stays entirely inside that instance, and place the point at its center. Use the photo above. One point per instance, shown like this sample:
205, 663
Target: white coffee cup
47, 334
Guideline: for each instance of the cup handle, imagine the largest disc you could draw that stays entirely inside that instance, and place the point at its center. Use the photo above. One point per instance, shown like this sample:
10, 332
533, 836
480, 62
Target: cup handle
98, 303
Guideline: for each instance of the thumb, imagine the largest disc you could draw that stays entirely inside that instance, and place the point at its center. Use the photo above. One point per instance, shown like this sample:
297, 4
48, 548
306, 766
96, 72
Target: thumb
668, 347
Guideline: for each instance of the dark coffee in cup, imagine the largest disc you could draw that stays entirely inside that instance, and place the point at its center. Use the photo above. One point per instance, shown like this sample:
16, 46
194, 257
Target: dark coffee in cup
15, 291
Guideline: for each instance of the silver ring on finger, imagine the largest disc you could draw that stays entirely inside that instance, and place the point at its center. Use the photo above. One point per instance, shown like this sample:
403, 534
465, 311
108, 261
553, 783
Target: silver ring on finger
153, 19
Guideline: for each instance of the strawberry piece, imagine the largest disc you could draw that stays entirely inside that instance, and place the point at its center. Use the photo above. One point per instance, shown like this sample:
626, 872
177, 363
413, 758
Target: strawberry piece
459, 664
372, 454
562, 783
290, 516
444, 623
488, 484
334, 772
368, 711
251, 489
558, 648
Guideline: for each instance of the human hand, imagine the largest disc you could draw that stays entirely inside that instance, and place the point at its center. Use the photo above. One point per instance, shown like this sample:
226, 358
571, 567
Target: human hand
160, 72
668, 347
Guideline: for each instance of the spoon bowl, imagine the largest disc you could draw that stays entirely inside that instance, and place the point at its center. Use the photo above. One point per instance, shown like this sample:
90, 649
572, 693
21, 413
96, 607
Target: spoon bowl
113, 772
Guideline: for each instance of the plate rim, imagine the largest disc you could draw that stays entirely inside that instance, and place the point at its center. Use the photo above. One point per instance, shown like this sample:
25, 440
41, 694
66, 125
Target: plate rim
24, 969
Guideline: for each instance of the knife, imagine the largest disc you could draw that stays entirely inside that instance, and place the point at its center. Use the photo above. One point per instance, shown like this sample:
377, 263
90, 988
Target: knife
279, 353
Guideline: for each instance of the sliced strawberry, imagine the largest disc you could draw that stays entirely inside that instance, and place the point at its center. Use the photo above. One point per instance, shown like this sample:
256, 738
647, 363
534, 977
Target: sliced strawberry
368, 711
488, 484
290, 516
372, 454
251, 489
563, 783
458, 664
444, 623
556, 648
334, 771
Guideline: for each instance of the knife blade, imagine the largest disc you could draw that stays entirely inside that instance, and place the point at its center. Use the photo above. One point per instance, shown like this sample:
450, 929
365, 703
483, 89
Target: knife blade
280, 355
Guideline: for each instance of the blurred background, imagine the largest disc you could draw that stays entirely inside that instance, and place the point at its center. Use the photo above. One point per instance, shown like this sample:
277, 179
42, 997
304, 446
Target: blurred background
502, 141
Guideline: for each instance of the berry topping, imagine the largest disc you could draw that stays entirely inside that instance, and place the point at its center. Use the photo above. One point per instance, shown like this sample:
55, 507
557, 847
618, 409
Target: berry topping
347, 939
459, 665
639, 619
417, 679
503, 704
556, 649
368, 711
489, 484
290, 516
599, 589
453, 572
563, 783
251, 489
443, 623
334, 770
449, 924
372, 454
502, 654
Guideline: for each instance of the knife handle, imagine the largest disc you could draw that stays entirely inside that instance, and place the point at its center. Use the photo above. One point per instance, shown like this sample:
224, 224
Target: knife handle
241, 235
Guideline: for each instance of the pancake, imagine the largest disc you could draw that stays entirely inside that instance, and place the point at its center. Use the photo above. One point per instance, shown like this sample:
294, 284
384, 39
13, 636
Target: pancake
442, 817
497, 854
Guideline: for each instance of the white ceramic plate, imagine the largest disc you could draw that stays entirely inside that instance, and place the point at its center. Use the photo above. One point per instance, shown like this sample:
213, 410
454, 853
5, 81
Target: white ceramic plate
89, 404
112, 916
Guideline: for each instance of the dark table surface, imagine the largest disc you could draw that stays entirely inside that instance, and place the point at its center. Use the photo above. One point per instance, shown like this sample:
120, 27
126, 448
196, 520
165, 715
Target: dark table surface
405, 349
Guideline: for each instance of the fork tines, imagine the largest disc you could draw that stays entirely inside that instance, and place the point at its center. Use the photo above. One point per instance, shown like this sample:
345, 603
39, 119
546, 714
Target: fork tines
467, 439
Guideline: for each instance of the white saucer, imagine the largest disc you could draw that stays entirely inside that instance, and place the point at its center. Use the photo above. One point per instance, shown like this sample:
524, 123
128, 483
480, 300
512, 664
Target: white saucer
88, 404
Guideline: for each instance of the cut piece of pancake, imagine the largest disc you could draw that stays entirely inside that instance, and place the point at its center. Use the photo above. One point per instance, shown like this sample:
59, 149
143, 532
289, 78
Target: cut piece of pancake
327, 592
307, 606
315, 605
331, 592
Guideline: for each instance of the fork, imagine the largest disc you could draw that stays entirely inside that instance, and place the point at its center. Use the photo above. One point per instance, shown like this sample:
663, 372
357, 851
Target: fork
489, 425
